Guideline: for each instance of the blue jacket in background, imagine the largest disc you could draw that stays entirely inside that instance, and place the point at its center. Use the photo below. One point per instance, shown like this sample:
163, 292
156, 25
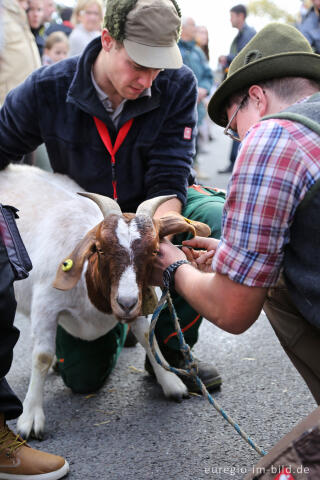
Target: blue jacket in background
56, 105
310, 28
240, 41
195, 59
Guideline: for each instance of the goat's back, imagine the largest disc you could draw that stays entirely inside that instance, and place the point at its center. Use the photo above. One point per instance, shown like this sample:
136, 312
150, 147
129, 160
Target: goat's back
52, 217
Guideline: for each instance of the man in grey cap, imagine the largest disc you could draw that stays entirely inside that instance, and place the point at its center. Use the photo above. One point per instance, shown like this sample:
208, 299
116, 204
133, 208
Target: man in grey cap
128, 85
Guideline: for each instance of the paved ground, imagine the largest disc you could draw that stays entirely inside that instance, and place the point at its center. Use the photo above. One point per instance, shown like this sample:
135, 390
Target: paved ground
128, 431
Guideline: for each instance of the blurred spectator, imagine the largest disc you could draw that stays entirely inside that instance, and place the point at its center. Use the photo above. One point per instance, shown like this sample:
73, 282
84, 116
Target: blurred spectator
49, 7
20, 55
238, 15
56, 48
195, 59
1, 31
87, 18
202, 39
310, 26
65, 25
35, 14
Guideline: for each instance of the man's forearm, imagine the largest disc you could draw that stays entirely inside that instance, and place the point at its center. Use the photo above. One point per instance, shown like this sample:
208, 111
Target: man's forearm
171, 205
230, 306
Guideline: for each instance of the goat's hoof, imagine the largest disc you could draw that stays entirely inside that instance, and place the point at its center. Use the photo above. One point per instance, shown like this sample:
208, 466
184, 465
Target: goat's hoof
31, 424
174, 388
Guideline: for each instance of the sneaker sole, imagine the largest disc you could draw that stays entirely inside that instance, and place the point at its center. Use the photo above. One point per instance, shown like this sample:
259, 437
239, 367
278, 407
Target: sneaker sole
56, 475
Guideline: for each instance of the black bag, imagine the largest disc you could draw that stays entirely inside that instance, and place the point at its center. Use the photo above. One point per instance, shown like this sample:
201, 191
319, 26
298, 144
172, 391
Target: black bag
17, 253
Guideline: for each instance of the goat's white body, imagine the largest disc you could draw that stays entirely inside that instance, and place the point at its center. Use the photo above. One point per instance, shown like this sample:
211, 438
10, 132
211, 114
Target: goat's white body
53, 219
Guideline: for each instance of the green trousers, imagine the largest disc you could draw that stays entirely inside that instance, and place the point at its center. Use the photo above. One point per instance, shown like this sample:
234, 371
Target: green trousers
84, 366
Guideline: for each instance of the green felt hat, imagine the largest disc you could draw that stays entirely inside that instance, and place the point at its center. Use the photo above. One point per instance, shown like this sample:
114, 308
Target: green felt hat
277, 51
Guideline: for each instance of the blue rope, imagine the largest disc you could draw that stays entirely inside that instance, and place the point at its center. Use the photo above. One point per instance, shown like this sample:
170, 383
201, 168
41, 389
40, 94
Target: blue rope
191, 366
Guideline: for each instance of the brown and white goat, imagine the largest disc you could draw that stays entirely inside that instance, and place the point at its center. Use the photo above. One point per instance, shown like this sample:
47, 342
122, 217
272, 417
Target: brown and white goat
110, 254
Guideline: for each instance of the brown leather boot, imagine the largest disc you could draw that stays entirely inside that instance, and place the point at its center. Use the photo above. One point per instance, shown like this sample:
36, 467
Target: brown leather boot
19, 461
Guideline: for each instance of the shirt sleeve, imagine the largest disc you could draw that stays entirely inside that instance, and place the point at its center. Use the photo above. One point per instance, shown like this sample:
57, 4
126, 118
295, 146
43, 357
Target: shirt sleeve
266, 187
19, 122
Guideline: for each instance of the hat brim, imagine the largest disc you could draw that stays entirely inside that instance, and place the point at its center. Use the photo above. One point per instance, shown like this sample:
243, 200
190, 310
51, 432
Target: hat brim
296, 64
154, 57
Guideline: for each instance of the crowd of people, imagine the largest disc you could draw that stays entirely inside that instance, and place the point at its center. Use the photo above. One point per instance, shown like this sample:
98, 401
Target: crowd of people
154, 88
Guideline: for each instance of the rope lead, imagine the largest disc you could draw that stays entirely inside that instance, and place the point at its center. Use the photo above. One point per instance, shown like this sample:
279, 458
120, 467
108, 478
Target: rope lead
191, 367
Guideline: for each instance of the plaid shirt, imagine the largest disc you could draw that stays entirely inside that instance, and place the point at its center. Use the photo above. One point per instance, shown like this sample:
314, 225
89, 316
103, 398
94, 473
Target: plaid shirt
277, 164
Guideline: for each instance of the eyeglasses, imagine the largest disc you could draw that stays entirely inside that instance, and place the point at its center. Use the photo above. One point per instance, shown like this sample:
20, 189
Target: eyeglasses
228, 131
90, 13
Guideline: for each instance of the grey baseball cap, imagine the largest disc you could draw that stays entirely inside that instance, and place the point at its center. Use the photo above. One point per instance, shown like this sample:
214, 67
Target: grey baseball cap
151, 33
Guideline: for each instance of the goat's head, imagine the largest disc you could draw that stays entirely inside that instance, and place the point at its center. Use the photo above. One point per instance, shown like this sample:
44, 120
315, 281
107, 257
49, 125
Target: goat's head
120, 252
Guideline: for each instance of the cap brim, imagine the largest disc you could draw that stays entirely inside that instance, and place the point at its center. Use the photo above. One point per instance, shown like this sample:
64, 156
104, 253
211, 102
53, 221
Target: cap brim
154, 57
284, 65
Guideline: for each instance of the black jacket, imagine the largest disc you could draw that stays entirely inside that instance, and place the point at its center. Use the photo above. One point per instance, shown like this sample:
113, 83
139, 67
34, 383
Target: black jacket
56, 105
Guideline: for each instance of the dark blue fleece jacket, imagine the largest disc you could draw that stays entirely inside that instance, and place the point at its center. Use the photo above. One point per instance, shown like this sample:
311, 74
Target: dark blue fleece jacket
56, 105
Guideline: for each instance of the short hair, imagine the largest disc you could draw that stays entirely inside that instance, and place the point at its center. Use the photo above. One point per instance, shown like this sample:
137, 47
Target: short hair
56, 37
66, 13
239, 9
288, 89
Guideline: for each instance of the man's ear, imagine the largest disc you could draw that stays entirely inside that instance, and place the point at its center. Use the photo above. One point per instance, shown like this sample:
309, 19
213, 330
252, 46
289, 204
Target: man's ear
106, 40
259, 98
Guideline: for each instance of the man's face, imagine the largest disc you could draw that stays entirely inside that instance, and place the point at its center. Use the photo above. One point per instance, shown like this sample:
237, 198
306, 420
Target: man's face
49, 9
189, 30
128, 78
236, 19
35, 13
244, 119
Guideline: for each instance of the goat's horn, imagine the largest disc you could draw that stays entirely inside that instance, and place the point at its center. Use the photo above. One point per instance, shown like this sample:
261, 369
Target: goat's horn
148, 207
107, 205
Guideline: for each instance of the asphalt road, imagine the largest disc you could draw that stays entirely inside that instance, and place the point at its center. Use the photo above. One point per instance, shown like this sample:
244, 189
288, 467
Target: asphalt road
129, 431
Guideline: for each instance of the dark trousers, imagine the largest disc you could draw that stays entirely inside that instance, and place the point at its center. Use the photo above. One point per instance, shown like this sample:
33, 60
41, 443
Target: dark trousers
10, 405
300, 339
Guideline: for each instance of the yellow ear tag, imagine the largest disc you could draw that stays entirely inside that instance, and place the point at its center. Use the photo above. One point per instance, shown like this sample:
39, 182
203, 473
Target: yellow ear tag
67, 265
187, 220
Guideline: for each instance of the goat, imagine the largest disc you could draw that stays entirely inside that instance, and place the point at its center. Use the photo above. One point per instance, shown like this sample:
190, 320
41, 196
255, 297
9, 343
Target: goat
111, 257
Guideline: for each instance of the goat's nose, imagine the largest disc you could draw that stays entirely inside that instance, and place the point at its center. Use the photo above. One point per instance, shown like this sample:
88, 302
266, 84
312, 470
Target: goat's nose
127, 303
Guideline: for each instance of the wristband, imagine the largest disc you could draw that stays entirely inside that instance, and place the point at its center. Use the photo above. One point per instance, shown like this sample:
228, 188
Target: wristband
169, 273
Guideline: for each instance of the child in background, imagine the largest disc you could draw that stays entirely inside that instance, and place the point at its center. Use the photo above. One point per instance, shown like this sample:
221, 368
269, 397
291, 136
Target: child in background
56, 48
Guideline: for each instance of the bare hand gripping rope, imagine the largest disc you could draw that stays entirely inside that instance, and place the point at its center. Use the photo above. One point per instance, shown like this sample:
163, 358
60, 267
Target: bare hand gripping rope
191, 368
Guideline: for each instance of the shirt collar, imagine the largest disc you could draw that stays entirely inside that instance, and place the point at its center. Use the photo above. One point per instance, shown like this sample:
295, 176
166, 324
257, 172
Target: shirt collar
103, 97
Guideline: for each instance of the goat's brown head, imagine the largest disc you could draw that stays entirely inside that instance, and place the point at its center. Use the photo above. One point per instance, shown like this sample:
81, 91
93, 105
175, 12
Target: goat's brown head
120, 252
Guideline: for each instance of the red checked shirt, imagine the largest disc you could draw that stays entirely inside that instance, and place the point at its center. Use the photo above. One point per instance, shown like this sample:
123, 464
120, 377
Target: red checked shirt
278, 162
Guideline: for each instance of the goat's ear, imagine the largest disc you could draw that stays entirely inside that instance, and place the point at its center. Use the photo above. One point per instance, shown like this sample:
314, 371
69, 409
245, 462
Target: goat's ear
173, 223
70, 269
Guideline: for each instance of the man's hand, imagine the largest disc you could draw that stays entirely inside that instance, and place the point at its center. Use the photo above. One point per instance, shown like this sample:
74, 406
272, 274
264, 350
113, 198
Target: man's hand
167, 255
202, 93
202, 259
